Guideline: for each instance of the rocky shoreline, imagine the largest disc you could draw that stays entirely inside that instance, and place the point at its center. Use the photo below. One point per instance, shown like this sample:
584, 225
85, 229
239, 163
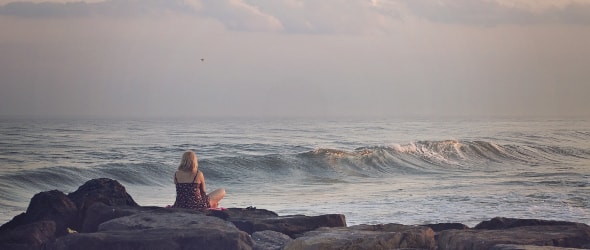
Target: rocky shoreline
102, 215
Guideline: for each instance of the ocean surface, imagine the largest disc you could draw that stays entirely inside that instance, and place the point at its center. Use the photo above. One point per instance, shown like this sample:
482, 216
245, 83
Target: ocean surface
408, 171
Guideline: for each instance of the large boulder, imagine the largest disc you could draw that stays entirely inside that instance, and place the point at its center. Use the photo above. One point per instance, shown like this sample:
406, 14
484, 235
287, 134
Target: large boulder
576, 236
270, 240
388, 236
49, 205
176, 229
103, 190
100, 212
445, 226
237, 213
253, 220
34, 235
528, 247
107, 191
289, 225
505, 223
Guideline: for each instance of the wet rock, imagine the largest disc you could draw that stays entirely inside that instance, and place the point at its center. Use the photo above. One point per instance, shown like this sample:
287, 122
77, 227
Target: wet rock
49, 205
446, 226
289, 225
505, 223
388, 236
29, 236
107, 191
104, 190
574, 236
249, 212
528, 247
100, 212
160, 230
270, 240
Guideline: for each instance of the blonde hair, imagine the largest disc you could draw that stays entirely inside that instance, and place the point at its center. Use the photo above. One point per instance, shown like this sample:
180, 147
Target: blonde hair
189, 162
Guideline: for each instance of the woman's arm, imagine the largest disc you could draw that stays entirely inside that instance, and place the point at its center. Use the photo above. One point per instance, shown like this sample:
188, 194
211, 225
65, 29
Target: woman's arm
201, 179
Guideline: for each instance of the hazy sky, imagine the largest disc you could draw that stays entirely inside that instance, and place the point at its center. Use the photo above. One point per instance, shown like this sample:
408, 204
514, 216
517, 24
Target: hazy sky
318, 58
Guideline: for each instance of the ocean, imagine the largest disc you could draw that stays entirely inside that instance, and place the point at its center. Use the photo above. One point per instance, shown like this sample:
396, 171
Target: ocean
409, 171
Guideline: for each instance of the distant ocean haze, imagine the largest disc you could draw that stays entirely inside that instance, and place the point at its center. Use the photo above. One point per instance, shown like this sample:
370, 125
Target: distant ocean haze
408, 171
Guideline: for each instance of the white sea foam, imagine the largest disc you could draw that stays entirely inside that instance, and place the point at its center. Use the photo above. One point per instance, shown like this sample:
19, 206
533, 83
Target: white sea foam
409, 172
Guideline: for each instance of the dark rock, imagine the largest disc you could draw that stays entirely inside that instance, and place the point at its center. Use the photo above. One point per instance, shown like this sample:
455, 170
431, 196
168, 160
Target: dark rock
388, 236
100, 212
445, 226
103, 190
289, 225
29, 236
576, 236
50, 205
157, 229
527, 247
251, 213
270, 240
18, 220
505, 223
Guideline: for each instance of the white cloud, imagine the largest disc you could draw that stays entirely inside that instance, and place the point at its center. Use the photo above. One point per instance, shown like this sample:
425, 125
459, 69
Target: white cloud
540, 5
239, 15
234, 14
319, 17
330, 16
498, 12
2, 2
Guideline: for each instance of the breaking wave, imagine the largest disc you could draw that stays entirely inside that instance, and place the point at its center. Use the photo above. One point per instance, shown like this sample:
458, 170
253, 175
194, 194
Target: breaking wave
323, 164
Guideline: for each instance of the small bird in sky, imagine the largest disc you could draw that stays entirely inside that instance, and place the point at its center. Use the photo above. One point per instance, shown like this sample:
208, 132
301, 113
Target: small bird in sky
202, 59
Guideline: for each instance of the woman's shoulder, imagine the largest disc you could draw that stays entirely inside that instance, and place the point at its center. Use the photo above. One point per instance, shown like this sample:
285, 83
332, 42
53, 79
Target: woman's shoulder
183, 174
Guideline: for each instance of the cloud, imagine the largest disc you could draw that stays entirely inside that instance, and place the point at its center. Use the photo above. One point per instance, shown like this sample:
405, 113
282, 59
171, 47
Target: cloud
239, 15
291, 16
112, 8
320, 17
330, 16
234, 14
499, 12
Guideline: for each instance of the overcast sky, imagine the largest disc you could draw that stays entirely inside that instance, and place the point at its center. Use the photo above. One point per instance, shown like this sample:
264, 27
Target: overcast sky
318, 58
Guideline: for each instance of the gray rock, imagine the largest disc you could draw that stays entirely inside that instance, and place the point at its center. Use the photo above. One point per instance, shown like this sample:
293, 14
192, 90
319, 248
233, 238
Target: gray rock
527, 247
575, 236
270, 240
289, 225
29, 236
160, 230
445, 226
388, 236
160, 220
101, 190
49, 205
99, 213
505, 223
249, 212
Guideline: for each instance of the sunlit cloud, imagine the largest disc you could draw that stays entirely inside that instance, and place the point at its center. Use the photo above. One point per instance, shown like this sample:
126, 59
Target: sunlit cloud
498, 12
239, 15
318, 17
540, 5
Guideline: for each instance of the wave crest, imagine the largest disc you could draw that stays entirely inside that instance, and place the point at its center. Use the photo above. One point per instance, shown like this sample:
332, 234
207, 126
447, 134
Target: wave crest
319, 165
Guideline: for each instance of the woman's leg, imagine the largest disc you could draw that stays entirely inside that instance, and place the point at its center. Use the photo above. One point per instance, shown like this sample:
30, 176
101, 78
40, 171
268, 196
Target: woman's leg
215, 197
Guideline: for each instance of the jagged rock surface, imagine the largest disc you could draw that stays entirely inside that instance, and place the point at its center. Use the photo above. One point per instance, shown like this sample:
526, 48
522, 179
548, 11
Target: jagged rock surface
389, 236
106, 217
158, 230
574, 236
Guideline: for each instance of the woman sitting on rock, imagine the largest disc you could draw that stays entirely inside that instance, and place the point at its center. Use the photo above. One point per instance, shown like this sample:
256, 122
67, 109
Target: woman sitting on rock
190, 186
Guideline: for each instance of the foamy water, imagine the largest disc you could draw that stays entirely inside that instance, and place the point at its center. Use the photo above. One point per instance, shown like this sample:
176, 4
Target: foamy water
410, 171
